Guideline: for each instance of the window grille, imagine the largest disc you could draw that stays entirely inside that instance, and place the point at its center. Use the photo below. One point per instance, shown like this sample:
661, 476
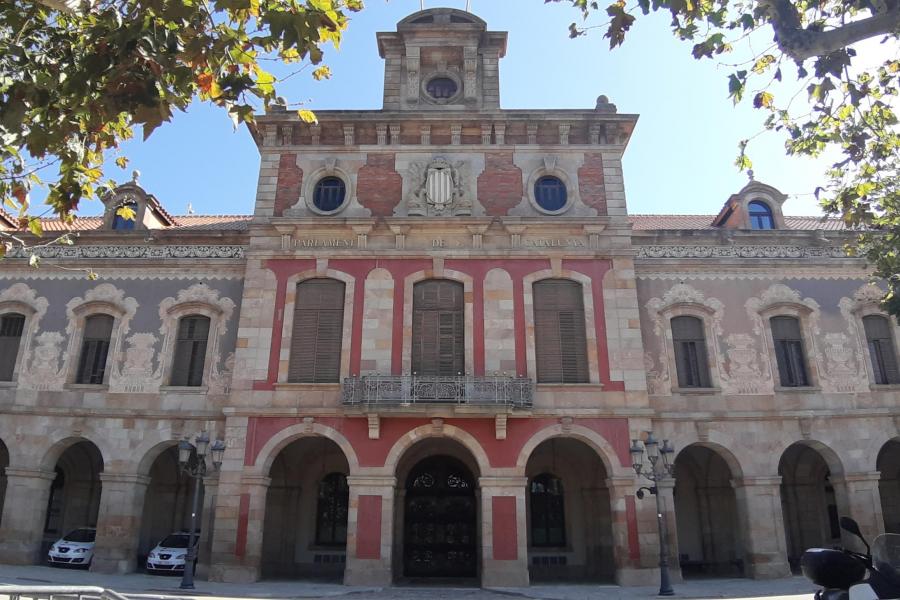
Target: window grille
190, 351
879, 337
12, 326
331, 510
94, 349
691, 362
548, 522
789, 352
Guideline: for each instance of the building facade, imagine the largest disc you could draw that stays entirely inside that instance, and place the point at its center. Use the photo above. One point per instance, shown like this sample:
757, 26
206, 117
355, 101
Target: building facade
430, 348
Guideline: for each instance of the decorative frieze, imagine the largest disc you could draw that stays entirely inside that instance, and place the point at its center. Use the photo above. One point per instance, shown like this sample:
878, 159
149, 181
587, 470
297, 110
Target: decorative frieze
769, 251
133, 252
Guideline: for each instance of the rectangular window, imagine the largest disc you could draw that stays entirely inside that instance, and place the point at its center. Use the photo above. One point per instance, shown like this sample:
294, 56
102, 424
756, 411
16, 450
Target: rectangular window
190, 351
789, 352
11, 327
560, 340
691, 360
318, 332
94, 349
438, 333
879, 337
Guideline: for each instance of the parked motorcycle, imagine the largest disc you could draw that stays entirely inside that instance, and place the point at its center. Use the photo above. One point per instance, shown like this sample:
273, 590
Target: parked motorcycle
842, 572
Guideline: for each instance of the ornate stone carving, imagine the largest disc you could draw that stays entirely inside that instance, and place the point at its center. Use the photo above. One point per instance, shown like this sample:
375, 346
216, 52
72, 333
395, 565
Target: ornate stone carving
198, 299
21, 293
866, 300
842, 369
44, 372
138, 374
437, 188
732, 251
742, 374
132, 252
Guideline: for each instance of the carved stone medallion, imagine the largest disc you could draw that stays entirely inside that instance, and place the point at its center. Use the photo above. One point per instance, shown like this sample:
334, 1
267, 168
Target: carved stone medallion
438, 188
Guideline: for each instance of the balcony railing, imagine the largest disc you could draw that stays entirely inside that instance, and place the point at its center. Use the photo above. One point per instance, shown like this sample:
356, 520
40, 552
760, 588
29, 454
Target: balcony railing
406, 390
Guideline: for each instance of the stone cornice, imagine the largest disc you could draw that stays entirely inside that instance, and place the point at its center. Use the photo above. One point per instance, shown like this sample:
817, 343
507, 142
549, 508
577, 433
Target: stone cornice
135, 252
765, 251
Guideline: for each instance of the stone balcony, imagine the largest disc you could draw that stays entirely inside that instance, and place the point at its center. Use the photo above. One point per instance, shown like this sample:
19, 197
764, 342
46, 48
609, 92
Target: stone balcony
402, 391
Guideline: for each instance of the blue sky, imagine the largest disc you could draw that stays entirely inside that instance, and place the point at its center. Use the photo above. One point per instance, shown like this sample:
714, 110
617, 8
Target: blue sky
680, 159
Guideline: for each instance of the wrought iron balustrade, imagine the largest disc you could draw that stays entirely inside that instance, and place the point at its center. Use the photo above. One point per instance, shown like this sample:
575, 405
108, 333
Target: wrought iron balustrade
405, 390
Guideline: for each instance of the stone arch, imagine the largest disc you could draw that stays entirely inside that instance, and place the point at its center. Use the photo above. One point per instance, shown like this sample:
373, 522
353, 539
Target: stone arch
278, 442
597, 442
888, 465
56, 450
411, 438
321, 272
150, 454
589, 322
469, 312
706, 508
813, 495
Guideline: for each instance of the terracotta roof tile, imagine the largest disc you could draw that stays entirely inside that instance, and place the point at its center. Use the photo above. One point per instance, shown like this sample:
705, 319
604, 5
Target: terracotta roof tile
185, 223
656, 222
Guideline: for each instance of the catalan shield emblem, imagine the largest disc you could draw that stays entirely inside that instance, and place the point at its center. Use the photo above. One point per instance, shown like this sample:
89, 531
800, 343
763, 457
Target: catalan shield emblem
439, 187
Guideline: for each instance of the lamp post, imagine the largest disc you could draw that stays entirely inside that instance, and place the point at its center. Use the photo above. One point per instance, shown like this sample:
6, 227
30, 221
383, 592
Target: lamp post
197, 470
657, 471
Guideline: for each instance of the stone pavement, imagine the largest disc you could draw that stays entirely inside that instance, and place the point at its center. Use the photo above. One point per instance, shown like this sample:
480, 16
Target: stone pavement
139, 585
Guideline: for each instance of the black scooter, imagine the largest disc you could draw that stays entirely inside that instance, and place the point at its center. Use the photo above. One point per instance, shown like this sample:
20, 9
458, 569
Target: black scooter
836, 570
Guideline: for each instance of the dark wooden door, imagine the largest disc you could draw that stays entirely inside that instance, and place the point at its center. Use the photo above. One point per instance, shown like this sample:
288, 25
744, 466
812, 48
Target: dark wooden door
440, 525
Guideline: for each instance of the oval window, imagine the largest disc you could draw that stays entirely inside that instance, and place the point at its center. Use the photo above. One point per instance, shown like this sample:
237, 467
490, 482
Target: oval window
442, 88
550, 193
329, 194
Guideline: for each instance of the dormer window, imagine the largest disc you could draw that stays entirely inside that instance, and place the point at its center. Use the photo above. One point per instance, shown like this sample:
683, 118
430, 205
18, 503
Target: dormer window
121, 223
760, 215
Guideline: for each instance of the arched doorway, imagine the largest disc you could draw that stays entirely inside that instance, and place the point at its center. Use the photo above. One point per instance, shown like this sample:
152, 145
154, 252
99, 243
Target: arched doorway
4, 462
437, 521
568, 510
305, 526
709, 542
74, 494
888, 464
808, 502
167, 502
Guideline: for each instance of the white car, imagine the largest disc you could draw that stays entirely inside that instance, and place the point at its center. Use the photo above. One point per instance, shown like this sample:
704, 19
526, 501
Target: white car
76, 548
169, 555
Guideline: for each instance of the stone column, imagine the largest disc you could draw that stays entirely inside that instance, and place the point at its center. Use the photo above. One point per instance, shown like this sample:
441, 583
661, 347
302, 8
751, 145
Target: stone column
24, 514
237, 540
864, 505
370, 523
207, 524
504, 538
762, 523
119, 522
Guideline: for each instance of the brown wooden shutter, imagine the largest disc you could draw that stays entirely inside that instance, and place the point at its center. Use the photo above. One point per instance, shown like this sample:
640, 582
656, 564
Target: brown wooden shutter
318, 332
190, 351
94, 349
11, 327
438, 336
879, 336
789, 353
691, 360
559, 332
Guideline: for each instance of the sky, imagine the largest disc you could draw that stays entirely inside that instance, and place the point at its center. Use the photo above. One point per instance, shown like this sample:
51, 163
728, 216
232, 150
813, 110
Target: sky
680, 159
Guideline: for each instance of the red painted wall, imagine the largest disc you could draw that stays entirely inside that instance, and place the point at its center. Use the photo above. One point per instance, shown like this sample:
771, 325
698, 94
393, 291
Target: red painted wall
368, 528
504, 533
240, 540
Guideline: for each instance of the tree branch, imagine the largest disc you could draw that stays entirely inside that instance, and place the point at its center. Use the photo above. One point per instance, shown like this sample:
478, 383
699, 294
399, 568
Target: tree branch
801, 44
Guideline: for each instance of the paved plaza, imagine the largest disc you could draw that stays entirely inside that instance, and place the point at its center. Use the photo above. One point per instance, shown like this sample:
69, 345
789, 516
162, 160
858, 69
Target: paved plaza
139, 585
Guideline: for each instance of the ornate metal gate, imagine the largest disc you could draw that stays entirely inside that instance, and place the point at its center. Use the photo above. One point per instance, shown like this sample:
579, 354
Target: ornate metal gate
439, 538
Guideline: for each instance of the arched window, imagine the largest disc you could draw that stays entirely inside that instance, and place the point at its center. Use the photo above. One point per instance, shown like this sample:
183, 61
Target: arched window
548, 522
441, 88
329, 194
760, 215
190, 351
789, 351
438, 335
560, 341
318, 332
120, 222
94, 349
11, 327
550, 193
690, 352
879, 337
331, 510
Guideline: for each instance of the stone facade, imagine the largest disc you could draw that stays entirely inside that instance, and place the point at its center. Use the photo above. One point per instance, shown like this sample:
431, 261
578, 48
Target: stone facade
325, 477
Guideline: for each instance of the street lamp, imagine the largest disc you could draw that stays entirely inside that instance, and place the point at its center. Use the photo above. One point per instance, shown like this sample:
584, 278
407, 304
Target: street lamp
658, 470
197, 470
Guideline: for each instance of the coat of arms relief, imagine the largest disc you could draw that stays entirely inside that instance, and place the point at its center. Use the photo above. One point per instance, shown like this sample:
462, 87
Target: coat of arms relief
438, 188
